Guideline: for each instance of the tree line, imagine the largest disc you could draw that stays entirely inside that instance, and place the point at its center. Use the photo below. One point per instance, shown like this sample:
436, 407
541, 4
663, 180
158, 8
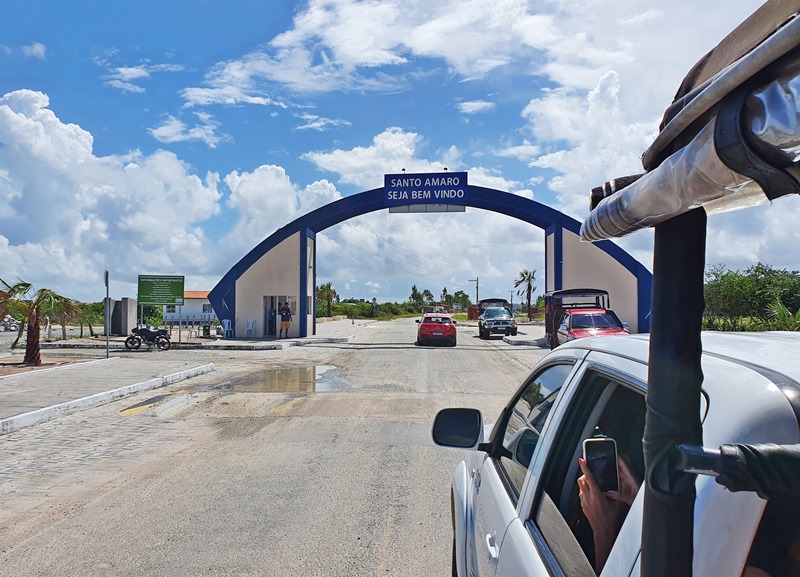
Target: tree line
759, 298
330, 304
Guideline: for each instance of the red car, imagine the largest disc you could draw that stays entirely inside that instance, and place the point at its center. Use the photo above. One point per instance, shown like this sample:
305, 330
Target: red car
580, 323
435, 327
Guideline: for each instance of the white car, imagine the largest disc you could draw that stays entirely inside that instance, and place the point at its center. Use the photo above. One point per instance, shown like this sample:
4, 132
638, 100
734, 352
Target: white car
514, 498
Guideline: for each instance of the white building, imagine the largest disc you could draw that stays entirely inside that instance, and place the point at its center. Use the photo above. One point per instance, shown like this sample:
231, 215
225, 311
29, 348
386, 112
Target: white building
196, 310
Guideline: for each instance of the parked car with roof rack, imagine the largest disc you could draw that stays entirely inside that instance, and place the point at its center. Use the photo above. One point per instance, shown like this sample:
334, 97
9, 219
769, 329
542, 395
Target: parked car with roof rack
561, 305
581, 323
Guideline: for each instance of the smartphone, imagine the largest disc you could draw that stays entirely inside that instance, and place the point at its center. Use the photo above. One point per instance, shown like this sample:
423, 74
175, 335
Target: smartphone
600, 454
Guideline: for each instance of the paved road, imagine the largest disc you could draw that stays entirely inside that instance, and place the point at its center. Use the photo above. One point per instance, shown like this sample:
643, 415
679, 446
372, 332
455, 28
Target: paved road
330, 476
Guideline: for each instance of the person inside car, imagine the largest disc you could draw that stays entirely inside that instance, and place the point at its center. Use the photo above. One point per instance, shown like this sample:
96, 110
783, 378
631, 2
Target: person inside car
605, 511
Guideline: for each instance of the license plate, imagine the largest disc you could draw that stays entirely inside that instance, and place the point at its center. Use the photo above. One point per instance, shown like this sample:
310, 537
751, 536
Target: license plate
438, 334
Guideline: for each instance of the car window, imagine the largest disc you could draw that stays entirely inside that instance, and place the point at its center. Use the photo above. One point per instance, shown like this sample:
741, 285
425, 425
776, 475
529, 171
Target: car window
600, 320
603, 406
776, 547
526, 420
605, 321
494, 313
582, 321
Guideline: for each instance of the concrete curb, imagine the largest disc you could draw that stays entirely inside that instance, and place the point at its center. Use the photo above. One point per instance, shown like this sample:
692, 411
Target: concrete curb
540, 342
17, 422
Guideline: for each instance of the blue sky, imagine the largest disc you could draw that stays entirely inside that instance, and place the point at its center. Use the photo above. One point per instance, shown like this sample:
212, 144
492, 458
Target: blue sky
171, 138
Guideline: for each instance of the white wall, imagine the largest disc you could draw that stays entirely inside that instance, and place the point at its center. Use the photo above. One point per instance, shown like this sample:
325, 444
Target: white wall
587, 266
550, 273
190, 307
275, 273
310, 286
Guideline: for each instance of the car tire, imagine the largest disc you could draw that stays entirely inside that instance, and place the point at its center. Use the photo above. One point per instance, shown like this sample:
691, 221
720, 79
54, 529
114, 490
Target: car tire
514, 333
453, 343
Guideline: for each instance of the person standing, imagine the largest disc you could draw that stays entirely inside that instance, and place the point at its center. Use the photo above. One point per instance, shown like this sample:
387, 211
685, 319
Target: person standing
286, 319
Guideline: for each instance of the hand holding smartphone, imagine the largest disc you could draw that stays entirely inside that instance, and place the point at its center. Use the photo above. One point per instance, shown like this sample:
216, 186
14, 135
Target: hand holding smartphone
600, 454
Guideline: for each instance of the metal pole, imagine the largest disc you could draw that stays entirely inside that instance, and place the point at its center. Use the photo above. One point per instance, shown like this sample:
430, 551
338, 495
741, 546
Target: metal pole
673, 394
107, 311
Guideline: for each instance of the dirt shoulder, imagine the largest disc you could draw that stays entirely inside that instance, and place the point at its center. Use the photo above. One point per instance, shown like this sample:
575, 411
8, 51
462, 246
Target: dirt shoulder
13, 365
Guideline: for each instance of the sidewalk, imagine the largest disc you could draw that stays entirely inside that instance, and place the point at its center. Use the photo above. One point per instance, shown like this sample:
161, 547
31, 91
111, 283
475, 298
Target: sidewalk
37, 396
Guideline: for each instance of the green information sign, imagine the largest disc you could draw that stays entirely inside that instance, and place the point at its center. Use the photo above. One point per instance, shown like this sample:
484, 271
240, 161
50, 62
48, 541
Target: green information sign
160, 290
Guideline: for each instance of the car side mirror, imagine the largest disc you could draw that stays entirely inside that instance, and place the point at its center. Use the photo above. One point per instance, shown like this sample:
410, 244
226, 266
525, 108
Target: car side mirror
562, 327
417, 321
522, 446
458, 428
455, 322
626, 326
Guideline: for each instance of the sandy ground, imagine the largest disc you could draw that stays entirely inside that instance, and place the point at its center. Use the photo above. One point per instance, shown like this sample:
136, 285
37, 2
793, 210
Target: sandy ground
14, 365
11, 361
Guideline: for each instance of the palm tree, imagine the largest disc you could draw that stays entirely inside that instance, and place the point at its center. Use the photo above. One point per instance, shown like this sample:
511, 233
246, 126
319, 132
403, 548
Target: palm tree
527, 278
327, 293
781, 318
33, 303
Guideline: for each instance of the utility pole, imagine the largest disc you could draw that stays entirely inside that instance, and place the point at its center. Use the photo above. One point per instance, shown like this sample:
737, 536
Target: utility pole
511, 292
475, 280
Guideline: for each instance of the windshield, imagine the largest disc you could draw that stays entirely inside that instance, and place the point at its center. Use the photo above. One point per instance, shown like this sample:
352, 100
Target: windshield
495, 313
437, 320
597, 320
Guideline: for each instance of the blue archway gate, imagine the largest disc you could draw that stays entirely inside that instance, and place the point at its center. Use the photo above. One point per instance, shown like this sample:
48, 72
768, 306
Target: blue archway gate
286, 260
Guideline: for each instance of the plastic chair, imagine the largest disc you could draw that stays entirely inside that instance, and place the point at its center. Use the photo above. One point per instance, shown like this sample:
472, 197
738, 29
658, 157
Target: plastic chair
251, 328
227, 330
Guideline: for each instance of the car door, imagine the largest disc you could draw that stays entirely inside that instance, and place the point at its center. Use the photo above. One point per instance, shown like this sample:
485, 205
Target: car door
563, 334
549, 535
498, 481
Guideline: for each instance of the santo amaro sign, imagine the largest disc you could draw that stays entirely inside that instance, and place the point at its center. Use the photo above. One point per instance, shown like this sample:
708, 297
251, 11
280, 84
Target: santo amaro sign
433, 188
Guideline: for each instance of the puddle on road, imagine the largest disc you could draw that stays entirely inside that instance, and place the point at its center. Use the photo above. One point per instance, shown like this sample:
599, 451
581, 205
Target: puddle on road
316, 379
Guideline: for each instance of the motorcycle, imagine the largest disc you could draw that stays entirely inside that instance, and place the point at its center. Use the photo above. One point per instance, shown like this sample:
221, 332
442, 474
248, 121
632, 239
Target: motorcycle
139, 336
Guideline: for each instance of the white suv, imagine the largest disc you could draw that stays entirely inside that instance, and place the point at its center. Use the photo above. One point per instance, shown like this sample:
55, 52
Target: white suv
514, 498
